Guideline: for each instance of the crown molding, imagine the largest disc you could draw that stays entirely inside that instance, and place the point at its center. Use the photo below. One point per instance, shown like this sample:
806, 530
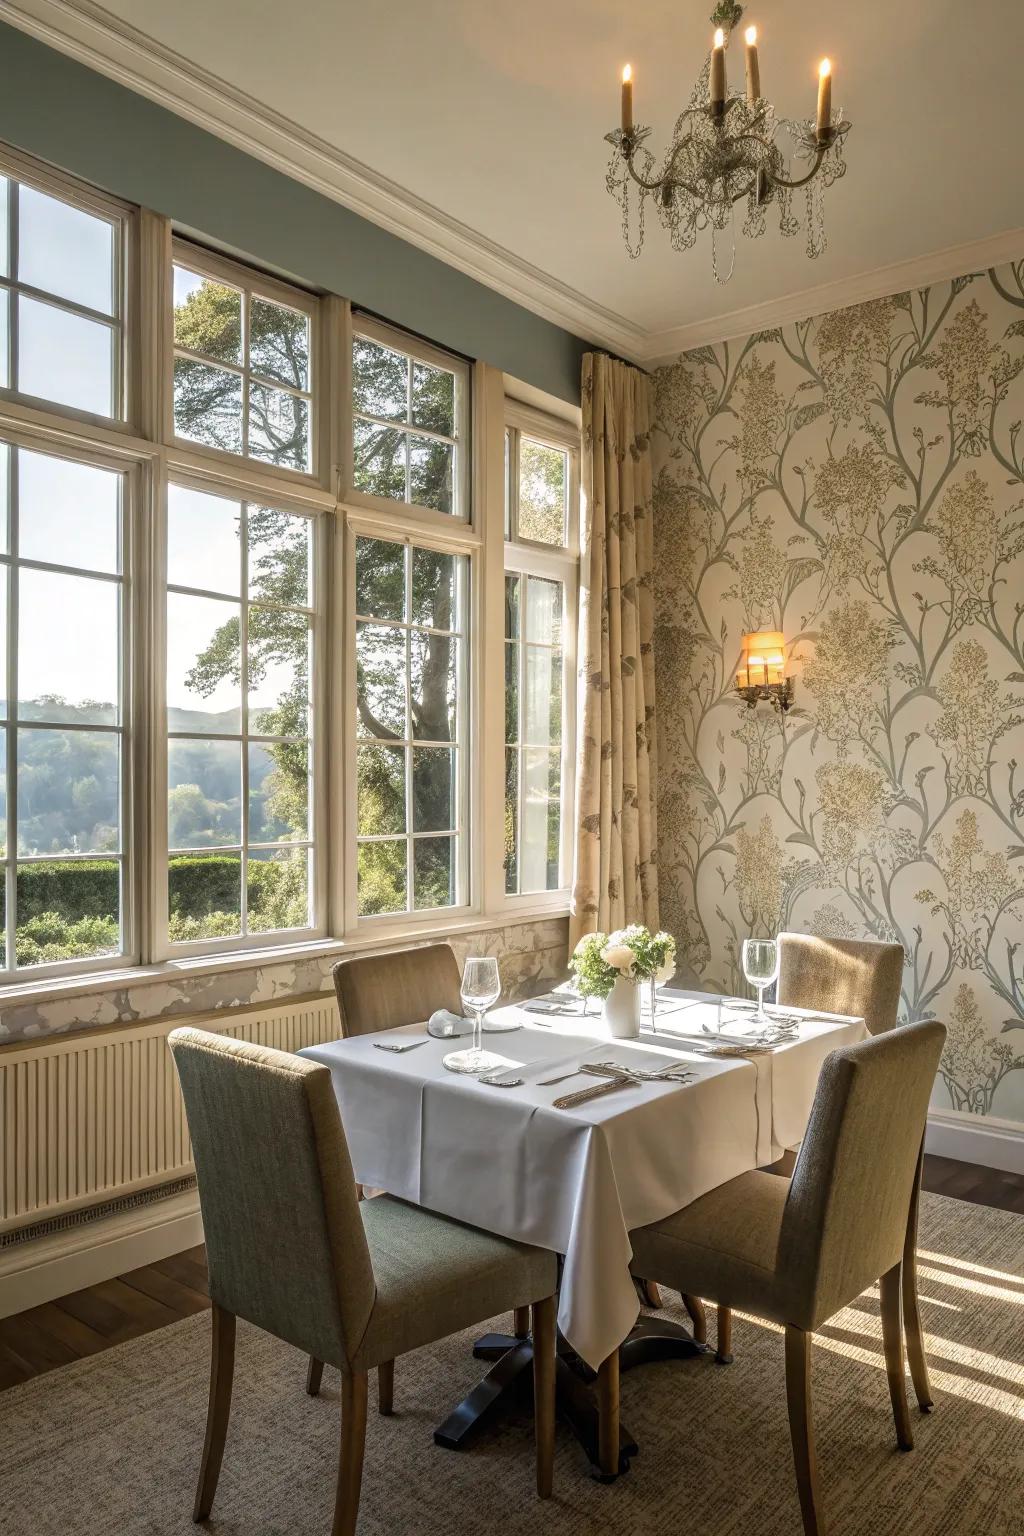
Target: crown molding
879, 283
92, 35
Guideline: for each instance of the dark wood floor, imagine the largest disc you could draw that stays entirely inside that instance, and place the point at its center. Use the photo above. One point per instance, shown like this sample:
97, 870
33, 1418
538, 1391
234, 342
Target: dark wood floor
102, 1315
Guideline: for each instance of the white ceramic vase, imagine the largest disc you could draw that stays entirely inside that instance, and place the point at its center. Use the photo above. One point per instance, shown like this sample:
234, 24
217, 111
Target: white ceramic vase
621, 1010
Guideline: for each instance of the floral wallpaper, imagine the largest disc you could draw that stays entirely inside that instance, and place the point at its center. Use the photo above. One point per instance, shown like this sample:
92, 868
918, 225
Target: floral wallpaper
857, 481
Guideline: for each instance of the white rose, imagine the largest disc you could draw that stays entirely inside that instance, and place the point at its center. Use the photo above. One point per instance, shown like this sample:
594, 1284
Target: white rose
618, 955
665, 972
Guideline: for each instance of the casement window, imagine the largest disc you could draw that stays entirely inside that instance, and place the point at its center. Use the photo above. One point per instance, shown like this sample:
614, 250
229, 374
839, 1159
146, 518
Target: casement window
62, 293
65, 771
541, 577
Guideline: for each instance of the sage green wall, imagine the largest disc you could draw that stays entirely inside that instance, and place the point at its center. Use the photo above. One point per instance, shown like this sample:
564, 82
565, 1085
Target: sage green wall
58, 109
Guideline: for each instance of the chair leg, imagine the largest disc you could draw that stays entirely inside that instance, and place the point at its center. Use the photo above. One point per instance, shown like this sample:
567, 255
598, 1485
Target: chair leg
521, 1322
649, 1294
801, 1428
892, 1344
222, 1370
723, 1353
698, 1317
544, 1392
354, 1388
608, 1415
314, 1376
912, 1310
386, 1387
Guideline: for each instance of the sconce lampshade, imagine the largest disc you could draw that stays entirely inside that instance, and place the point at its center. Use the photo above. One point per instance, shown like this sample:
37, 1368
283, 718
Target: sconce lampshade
763, 659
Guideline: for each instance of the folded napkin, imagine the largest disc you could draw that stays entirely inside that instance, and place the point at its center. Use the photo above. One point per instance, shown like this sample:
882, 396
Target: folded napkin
445, 1025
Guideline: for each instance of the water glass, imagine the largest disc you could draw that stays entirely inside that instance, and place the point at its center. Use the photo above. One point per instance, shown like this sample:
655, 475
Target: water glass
481, 988
761, 968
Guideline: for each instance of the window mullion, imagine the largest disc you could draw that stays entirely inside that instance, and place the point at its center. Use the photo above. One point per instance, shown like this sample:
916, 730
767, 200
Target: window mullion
243, 678
11, 888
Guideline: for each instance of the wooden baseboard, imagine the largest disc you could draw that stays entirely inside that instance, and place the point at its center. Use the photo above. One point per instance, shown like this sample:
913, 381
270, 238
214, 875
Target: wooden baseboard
981, 1139
52, 1266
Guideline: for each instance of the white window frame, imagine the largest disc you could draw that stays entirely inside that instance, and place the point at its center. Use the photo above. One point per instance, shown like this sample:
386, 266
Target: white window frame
552, 562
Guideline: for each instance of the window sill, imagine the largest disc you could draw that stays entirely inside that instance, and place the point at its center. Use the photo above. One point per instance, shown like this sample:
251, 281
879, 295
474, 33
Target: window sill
83, 984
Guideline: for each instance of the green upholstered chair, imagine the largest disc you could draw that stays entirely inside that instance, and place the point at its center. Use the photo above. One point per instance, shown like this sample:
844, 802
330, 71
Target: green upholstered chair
354, 1283
853, 976
389, 991
796, 1251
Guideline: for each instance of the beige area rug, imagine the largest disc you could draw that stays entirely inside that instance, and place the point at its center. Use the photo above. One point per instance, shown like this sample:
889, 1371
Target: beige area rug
110, 1446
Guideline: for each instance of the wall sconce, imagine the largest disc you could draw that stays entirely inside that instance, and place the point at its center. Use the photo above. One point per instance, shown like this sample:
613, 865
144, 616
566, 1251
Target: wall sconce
762, 670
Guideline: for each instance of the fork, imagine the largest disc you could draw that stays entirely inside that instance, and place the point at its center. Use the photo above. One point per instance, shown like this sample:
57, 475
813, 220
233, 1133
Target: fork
398, 1050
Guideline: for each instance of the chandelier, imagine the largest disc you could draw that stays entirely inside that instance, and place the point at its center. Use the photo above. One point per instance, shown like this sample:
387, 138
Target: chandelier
724, 153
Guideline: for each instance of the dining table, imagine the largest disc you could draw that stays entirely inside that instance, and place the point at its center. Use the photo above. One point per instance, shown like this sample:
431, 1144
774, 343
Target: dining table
703, 1095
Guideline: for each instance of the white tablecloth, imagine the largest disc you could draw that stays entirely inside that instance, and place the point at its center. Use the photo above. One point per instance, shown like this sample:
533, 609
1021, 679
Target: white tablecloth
575, 1181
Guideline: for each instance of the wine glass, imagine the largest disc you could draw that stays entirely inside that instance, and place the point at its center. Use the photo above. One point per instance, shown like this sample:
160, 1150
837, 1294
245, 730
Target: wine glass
761, 968
481, 988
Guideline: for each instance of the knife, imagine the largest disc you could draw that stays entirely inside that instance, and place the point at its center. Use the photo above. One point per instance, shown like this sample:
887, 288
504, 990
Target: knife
613, 1085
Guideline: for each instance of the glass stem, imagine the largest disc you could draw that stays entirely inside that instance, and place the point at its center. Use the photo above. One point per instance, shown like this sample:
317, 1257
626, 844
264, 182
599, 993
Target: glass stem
654, 1005
478, 1030
760, 1001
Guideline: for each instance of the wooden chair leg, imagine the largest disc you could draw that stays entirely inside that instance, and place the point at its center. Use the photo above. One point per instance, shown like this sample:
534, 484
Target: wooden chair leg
698, 1317
354, 1390
314, 1376
801, 1428
521, 1322
911, 1307
608, 1415
890, 1286
544, 1392
386, 1387
222, 1370
723, 1353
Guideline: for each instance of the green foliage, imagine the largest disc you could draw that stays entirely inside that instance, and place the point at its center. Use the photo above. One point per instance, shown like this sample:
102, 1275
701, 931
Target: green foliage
594, 976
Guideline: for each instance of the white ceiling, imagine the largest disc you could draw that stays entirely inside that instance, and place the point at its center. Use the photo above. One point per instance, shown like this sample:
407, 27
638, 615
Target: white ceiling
494, 115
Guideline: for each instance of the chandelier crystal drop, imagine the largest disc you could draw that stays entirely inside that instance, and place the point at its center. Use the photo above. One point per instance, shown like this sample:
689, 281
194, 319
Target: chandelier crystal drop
724, 153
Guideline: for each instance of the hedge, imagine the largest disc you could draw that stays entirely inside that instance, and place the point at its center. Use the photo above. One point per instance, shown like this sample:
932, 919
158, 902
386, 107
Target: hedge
88, 887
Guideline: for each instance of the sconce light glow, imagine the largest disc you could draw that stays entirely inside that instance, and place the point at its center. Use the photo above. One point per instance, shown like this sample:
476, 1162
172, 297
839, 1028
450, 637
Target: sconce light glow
825, 68
627, 73
751, 36
719, 38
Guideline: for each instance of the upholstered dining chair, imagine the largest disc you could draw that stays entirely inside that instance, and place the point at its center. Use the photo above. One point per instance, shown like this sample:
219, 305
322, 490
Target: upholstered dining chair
795, 1251
858, 977
389, 991
291, 1249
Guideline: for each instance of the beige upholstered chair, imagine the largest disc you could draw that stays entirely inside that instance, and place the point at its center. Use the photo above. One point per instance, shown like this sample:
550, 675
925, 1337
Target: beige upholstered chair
389, 991
852, 976
291, 1249
796, 1251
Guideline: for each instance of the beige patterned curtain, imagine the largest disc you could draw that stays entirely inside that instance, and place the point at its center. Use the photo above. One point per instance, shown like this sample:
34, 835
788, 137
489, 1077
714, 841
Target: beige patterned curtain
616, 783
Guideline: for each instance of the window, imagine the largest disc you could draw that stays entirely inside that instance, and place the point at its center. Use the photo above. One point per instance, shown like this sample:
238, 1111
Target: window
61, 301
410, 604
242, 364
240, 617
541, 511
408, 423
62, 601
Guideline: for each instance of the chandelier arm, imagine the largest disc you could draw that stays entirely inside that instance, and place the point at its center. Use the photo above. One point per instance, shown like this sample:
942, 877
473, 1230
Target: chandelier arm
666, 179
799, 181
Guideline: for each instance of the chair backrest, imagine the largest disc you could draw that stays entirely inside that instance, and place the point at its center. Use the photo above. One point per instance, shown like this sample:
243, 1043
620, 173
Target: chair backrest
854, 976
284, 1238
389, 991
849, 1199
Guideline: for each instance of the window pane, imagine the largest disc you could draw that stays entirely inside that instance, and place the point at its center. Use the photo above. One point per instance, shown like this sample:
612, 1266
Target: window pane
5, 339
279, 672
207, 405
65, 251
380, 579
380, 680
207, 317
541, 820
543, 723
204, 892
433, 683
68, 513
278, 889
511, 692
433, 872
543, 474
279, 427
203, 535
279, 792
68, 910
512, 599
433, 790
434, 589
60, 678
3, 804
5, 227
203, 665
431, 473
3, 646
204, 793
65, 358
380, 790
543, 610
6, 467
380, 380
381, 877
379, 464
279, 343
511, 821
68, 791
280, 556
433, 399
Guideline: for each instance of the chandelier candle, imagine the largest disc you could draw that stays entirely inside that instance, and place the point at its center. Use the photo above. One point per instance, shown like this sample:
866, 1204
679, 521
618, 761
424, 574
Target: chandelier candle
716, 79
753, 68
824, 126
627, 99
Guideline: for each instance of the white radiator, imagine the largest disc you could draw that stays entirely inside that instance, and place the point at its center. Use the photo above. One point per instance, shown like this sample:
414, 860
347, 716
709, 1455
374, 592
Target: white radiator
91, 1117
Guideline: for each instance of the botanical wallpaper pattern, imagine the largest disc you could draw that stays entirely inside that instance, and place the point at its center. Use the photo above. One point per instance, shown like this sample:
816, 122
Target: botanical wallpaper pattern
857, 481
